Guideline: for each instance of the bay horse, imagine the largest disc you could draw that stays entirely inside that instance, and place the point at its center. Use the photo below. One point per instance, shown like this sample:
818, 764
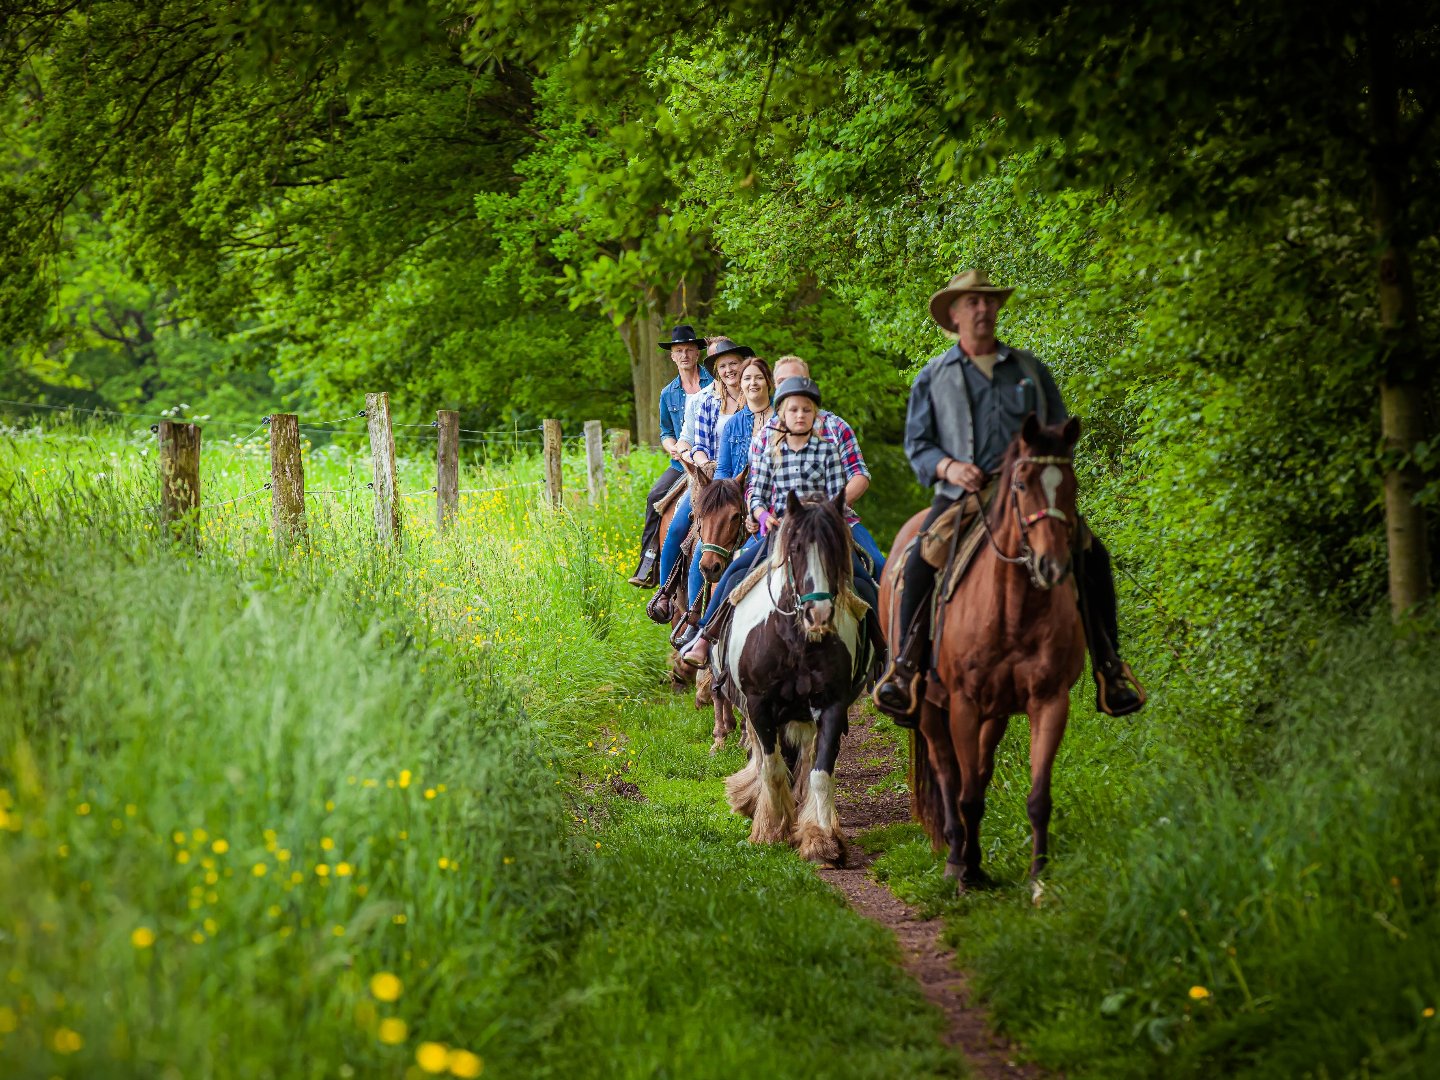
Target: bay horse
794, 659
1009, 641
718, 509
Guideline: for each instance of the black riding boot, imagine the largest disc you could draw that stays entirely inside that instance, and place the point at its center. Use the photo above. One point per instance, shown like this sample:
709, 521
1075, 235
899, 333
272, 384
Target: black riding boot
898, 692
1117, 691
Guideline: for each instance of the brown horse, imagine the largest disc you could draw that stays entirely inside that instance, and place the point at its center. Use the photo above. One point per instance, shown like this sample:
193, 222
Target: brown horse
1009, 641
718, 513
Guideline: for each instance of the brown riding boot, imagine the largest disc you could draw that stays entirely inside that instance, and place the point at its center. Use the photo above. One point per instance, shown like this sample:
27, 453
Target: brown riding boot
898, 692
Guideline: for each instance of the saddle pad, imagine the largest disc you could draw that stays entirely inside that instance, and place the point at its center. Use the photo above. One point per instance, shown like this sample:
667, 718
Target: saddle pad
758, 573
672, 496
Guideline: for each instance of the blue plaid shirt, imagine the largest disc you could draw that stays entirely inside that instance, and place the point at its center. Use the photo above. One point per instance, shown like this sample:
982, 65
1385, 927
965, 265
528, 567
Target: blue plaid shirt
814, 469
707, 426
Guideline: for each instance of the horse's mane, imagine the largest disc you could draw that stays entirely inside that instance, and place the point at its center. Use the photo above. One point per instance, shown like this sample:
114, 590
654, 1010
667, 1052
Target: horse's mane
817, 524
1049, 441
717, 495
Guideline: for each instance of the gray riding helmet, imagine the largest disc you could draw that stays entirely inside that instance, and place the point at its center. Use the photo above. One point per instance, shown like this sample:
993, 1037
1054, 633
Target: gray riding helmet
798, 384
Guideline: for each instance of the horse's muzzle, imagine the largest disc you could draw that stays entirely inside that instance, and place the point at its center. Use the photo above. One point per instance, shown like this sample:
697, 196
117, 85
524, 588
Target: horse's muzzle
712, 568
1051, 572
818, 618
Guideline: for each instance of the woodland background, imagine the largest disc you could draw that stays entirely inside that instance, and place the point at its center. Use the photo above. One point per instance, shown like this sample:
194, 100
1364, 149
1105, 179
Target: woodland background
1223, 222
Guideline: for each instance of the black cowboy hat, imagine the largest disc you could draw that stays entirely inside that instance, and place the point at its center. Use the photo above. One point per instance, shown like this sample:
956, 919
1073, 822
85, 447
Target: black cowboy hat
797, 384
684, 334
723, 346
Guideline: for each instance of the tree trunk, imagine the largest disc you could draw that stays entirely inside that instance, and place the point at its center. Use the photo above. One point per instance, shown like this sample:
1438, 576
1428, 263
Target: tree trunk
650, 366
1405, 377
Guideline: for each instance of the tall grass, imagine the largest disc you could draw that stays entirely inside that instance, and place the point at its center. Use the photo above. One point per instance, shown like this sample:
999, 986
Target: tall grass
323, 812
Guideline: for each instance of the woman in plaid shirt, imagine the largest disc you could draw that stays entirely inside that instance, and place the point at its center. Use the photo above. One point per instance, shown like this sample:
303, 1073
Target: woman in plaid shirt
801, 461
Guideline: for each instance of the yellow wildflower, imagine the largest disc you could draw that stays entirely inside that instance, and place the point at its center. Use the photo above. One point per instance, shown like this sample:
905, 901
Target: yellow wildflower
66, 1041
404, 778
220, 847
393, 1031
259, 869
142, 937
386, 987
432, 1057
1198, 993
465, 1065
327, 844
343, 869
321, 870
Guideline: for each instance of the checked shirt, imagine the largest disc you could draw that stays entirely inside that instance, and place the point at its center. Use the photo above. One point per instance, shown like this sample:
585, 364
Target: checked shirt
814, 469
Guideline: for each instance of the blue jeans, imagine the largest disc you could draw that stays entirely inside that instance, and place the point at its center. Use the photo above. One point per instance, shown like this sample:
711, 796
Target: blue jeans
675, 538
745, 560
867, 542
697, 580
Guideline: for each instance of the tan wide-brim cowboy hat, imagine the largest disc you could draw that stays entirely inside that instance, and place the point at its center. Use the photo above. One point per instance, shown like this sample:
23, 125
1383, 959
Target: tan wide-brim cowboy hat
966, 281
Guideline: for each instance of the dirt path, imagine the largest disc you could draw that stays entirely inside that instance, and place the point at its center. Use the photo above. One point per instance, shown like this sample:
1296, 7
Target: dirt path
967, 1026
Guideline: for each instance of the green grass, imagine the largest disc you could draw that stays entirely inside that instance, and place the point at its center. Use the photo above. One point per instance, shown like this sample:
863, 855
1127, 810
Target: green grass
240, 783
1269, 913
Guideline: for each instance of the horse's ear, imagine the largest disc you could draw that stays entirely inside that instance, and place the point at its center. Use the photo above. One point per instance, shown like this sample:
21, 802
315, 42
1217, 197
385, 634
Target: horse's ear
839, 502
1071, 433
742, 477
696, 474
792, 502
1030, 429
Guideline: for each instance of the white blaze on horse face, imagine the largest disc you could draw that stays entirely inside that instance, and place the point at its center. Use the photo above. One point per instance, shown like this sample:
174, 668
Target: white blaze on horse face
817, 613
1050, 480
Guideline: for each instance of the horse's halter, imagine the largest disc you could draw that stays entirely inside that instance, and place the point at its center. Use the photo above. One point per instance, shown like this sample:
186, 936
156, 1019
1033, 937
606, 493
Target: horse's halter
1026, 557
800, 598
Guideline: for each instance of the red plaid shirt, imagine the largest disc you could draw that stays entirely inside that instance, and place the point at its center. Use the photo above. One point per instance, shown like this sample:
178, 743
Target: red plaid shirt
828, 426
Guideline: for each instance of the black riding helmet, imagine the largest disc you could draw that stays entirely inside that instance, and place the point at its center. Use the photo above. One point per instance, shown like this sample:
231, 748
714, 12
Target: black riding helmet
798, 384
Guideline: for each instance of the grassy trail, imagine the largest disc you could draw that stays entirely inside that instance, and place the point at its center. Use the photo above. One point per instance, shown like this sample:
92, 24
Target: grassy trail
718, 957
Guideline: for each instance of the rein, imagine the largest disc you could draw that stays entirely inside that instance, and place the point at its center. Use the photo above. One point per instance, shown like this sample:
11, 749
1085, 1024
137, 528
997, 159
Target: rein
1026, 557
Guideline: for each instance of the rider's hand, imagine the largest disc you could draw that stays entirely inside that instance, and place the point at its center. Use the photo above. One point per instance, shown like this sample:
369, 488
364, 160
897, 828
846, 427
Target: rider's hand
966, 474
751, 526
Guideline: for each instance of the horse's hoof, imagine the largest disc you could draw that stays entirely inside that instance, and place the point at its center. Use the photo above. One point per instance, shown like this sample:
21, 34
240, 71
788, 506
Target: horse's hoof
953, 870
976, 881
819, 846
1037, 892
717, 744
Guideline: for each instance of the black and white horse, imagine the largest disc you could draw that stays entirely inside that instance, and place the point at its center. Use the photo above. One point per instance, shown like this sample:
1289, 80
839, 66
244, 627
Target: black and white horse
794, 660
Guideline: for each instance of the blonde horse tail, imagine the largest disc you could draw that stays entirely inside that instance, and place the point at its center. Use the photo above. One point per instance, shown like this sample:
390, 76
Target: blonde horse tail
926, 804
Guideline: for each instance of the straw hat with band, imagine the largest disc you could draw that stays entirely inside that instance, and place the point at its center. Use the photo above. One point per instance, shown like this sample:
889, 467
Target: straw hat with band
967, 281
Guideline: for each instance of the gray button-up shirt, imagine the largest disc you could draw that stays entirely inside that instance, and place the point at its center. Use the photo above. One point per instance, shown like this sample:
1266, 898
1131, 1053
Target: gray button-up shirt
998, 406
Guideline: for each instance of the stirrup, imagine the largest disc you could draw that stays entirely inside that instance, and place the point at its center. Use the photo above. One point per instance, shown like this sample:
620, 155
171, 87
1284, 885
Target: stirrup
1124, 675
895, 679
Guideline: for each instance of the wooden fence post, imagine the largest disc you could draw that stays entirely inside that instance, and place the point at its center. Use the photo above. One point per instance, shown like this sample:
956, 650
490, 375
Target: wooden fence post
382, 457
287, 480
447, 469
553, 482
620, 447
180, 479
594, 461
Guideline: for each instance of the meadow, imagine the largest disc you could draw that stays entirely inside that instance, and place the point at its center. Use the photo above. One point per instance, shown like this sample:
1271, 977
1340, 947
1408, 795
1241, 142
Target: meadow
344, 812
338, 812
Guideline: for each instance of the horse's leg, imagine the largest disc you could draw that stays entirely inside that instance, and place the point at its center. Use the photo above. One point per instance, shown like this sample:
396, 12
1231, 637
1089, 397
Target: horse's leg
1047, 728
742, 789
991, 732
799, 754
965, 736
935, 726
775, 807
817, 833
724, 723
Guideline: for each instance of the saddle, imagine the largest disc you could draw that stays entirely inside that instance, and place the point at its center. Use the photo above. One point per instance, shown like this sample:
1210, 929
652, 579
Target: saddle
671, 497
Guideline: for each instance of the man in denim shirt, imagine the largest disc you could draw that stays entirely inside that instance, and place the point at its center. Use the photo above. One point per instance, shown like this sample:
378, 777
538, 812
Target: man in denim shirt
684, 349
965, 407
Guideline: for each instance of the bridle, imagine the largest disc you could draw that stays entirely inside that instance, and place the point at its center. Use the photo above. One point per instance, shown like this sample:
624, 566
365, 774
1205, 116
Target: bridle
800, 598
1026, 557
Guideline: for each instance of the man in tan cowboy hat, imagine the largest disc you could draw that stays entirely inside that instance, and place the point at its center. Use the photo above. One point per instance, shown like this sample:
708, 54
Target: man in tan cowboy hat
965, 407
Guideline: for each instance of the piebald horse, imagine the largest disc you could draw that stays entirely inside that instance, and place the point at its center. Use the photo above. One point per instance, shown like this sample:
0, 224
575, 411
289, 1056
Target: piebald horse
794, 659
1010, 641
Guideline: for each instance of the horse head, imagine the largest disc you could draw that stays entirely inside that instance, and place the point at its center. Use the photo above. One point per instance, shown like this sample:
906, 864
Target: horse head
1037, 496
720, 519
814, 543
